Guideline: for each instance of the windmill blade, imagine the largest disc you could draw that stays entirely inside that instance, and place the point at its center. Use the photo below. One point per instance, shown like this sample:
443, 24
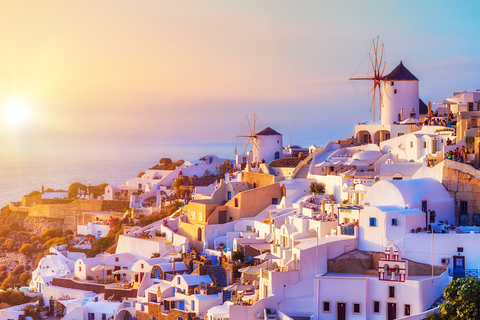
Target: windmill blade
246, 131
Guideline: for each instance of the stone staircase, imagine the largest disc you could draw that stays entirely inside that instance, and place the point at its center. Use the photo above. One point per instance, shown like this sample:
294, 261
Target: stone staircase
303, 172
219, 276
437, 302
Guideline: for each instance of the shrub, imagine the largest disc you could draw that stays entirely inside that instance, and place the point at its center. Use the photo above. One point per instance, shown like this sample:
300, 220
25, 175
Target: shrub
317, 188
26, 249
74, 187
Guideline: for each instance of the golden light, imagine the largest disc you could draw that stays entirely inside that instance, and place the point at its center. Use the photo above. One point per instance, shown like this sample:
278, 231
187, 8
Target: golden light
15, 113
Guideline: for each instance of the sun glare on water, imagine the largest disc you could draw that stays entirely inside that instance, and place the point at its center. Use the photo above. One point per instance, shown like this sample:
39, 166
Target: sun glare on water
15, 113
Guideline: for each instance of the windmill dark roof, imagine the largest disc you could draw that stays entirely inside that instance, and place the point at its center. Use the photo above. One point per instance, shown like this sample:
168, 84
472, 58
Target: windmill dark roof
422, 107
268, 132
400, 73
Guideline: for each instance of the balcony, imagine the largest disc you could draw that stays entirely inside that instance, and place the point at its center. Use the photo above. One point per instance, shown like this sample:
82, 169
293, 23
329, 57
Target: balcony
464, 273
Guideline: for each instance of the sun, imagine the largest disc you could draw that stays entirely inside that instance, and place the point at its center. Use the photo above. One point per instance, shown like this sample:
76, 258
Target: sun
15, 113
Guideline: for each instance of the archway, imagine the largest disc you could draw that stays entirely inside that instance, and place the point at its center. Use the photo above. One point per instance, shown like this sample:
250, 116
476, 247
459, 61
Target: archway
364, 136
381, 135
199, 234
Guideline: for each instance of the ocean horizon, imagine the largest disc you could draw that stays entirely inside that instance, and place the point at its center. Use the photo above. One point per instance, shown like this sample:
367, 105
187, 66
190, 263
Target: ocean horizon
23, 171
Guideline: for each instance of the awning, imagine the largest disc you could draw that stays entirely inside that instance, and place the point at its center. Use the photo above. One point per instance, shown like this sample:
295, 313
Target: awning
260, 246
173, 299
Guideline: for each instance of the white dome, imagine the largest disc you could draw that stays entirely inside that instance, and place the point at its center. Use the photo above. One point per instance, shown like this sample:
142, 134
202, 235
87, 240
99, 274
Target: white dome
367, 155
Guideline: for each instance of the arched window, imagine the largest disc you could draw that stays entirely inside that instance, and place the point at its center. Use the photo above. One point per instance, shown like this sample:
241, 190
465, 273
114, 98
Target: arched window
277, 155
199, 234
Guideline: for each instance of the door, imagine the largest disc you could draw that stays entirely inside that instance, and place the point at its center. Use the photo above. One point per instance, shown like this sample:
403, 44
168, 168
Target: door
222, 217
182, 305
341, 311
391, 311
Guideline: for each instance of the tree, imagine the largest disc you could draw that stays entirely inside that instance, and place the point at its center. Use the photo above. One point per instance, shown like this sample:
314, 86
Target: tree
224, 168
317, 188
74, 187
462, 300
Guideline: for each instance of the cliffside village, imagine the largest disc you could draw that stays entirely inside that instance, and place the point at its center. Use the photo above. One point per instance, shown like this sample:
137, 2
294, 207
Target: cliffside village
397, 221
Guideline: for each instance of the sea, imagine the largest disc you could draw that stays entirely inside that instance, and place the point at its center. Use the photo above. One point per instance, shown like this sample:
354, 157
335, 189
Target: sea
23, 171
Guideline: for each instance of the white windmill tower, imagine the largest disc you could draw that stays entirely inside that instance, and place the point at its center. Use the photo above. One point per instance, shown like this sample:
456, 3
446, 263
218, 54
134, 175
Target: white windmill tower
265, 145
400, 96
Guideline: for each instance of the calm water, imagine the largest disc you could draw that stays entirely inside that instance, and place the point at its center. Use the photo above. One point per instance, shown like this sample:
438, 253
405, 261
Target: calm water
22, 171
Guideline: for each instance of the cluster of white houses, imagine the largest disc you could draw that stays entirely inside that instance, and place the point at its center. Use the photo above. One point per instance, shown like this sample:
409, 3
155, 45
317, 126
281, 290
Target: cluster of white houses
395, 225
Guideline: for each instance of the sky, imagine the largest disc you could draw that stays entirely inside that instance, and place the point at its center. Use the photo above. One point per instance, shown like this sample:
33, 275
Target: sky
124, 71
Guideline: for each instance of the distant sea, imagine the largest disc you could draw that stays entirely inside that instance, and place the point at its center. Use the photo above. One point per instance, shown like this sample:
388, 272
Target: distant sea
23, 171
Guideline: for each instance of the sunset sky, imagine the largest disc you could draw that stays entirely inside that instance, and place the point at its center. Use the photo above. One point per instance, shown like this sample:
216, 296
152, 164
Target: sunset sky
155, 71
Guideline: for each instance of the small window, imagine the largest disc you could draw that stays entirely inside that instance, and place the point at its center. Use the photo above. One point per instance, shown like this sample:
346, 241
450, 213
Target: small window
376, 306
391, 292
104, 315
406, 309
394, 91
254, 185
411, 144
79, 268
463, 206
346, 220
193, 305
424, 144
356, 308
236, 202
229, 195
200, 216
394, 222
392, 83
178, 280
326, 306
274, 200
373, 222
116, 259
91, 316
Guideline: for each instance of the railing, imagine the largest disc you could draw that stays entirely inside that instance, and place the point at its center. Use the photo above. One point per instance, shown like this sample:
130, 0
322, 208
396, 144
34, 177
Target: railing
463, 273
347, 231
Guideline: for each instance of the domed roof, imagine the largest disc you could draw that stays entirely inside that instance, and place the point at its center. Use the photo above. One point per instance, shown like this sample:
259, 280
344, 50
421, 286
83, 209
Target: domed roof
268, 132
400, 73
367, 155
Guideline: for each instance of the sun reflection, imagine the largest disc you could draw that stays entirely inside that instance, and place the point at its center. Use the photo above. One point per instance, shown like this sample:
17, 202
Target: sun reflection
15, 113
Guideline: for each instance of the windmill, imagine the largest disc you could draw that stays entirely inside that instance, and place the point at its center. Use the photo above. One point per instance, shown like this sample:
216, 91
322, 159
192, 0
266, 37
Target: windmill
251, 134
378, 66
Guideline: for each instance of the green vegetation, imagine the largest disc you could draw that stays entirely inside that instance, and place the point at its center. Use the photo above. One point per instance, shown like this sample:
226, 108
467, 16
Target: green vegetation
238, 255
14, 298
34, 193
74, 187
317, 188
463, 301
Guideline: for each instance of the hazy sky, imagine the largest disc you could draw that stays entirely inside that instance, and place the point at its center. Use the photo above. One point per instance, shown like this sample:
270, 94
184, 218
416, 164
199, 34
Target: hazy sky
155, 71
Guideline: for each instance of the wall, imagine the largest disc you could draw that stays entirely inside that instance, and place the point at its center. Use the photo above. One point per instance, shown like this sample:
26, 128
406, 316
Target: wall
143, 248
259, 179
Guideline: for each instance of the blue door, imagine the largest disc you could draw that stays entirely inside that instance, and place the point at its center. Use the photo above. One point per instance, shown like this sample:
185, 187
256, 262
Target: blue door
157, 273
182, 305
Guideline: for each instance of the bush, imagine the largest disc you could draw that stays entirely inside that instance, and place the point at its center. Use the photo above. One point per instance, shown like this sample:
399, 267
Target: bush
19, 269
48, 234
317, 188
26, 249
238, 255
13, 298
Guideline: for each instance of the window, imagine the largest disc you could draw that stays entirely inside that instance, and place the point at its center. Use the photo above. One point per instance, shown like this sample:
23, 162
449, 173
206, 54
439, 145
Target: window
178, 280
470, 106
326, 306
476, 220
424, 144
463, 206
392, 83
193, 305
406, 309
229, 195
411, 144
376, 306
274, 200
346, 220
116, 259
79, 268
391, 292
373, 222
200, 216
394, 91
193, 215
254, 185
104, 315
394, 222
236, 202
91, 316
356, 308
141, 265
